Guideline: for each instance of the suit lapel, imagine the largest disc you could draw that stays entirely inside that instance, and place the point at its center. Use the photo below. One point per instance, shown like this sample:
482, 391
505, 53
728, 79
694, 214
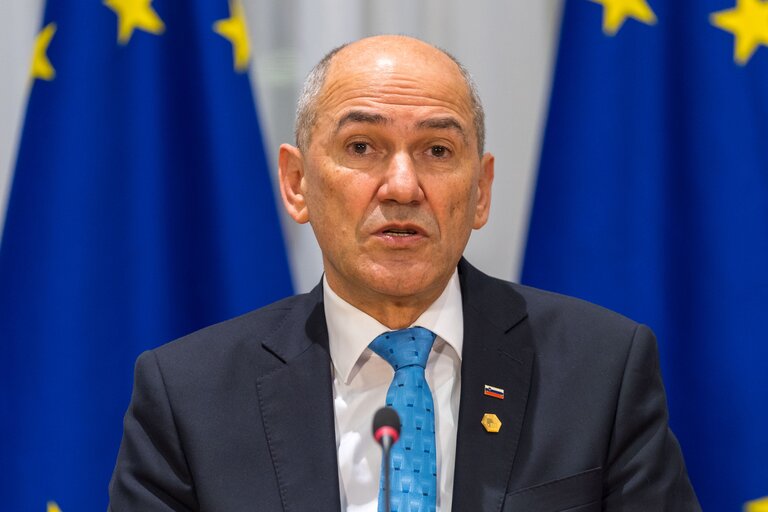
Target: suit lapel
497, 352
296, 403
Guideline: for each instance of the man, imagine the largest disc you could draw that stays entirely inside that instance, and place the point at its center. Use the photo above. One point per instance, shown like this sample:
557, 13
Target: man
535, 401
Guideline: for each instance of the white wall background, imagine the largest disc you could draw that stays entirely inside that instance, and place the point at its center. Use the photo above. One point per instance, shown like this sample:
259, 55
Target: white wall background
508, 45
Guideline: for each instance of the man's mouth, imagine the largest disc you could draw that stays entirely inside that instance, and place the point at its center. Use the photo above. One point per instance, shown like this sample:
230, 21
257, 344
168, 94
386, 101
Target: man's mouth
399, 232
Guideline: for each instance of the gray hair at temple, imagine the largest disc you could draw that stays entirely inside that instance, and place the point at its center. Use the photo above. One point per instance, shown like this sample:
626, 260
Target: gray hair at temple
306, 108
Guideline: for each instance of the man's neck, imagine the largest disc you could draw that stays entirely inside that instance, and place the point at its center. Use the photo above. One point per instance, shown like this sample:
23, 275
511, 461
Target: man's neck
392, 311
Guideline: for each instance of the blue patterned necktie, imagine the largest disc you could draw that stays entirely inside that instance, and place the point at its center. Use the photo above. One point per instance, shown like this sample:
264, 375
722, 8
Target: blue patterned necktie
413, 466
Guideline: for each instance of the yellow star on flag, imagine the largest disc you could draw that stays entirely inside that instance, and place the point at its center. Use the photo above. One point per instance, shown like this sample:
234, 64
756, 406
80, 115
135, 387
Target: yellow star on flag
615, 13
748, 22
760, 505
135, 14
53, 507
235, 31
41, 66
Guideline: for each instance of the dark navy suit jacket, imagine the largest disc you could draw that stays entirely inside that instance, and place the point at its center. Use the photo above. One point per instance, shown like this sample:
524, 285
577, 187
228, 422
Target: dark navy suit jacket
239, 416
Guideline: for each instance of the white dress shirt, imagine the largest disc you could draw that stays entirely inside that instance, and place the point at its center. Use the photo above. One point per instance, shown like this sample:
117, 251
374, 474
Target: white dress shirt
360, 383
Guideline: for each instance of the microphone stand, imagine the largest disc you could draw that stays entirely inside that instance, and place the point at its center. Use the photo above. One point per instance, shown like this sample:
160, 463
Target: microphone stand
386, 445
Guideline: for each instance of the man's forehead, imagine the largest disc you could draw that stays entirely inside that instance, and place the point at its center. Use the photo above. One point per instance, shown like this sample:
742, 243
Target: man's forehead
386, 56
387, 75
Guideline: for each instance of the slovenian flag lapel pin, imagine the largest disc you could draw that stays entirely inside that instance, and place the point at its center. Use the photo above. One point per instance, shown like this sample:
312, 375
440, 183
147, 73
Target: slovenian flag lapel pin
494, 392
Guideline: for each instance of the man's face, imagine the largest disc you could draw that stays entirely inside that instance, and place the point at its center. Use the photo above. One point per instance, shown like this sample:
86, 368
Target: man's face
392, 181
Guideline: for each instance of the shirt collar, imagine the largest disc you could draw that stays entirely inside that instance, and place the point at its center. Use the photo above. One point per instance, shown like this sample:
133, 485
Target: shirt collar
350, 330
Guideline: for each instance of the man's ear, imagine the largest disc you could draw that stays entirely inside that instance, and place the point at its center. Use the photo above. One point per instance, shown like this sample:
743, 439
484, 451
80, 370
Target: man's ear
291, 170
483, 207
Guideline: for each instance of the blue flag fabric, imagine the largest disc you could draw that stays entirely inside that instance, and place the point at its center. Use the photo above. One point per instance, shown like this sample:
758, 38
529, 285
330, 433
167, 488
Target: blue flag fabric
141, 209
652, 199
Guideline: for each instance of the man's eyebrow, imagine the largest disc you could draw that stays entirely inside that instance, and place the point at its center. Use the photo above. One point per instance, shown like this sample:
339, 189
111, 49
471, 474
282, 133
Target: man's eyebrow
434, 123
443, 123
358, 116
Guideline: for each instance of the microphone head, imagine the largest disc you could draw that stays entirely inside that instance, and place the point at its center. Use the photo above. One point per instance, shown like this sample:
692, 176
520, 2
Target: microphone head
386, 423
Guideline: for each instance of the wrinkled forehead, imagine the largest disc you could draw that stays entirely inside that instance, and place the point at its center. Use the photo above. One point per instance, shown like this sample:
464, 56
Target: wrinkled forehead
408, 73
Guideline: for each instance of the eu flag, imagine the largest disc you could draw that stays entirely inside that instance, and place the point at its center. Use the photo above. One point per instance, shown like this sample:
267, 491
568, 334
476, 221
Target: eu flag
141, 209
652, 199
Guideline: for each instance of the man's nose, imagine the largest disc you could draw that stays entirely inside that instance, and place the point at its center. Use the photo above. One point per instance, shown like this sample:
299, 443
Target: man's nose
401, 181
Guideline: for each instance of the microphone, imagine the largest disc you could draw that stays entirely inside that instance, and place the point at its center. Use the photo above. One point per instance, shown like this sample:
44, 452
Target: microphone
386, 427
386, 432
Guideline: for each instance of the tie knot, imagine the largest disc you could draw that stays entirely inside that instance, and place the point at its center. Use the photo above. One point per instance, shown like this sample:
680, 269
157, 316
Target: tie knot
406, 347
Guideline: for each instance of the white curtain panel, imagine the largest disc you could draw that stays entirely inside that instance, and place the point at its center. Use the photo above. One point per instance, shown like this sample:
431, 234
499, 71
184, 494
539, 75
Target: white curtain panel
19, 22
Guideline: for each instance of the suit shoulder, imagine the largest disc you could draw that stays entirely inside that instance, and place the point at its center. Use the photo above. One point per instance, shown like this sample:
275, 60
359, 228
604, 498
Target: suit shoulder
543, 302
562, 319
233, 337
544, 310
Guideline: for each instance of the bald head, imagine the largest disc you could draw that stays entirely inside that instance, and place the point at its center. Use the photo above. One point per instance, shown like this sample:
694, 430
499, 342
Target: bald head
380, 54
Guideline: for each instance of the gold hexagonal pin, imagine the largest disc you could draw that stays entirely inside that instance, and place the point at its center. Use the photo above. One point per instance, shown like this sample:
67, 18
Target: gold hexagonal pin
491, 422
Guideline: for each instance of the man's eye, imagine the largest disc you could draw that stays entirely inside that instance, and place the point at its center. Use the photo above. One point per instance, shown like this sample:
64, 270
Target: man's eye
439, 151
359, 148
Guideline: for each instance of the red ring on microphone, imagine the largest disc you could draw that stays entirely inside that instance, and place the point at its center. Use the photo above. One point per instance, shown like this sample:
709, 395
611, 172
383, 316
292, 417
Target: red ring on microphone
386, 430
